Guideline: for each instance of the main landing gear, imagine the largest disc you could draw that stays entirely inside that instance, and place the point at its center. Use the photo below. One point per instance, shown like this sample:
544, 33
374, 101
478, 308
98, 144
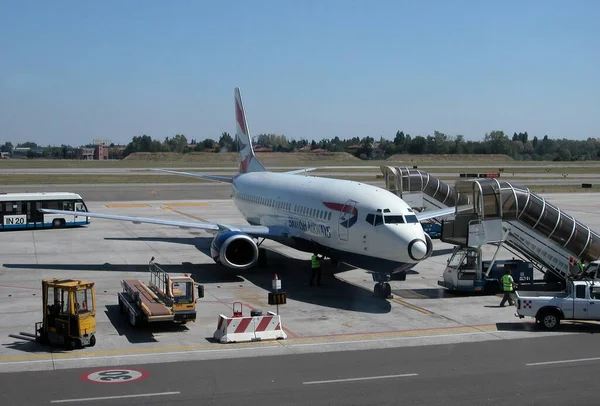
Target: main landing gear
382, 288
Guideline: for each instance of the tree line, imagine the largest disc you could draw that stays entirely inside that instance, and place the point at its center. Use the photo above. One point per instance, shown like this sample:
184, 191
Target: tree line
519, 146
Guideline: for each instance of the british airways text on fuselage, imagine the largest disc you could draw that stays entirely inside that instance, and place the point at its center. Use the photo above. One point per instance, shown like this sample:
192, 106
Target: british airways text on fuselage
310, 227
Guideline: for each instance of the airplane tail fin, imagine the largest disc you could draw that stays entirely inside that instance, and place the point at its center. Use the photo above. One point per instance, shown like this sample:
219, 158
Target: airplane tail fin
246, 159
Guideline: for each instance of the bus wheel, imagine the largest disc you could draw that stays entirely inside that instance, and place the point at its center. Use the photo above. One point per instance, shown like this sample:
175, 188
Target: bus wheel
57, 223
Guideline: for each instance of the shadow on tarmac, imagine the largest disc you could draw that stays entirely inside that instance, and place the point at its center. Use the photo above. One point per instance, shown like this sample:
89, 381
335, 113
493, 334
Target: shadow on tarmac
202, 244
143, 333
425, 293
564, 327
294, 273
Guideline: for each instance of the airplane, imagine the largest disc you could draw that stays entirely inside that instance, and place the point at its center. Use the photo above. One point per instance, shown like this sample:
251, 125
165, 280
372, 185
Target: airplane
346, 221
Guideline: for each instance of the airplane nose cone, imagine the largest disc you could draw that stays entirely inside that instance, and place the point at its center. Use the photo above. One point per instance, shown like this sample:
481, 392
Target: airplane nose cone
417, 249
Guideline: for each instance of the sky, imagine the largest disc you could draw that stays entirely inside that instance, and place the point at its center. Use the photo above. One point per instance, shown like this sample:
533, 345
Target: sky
73, 71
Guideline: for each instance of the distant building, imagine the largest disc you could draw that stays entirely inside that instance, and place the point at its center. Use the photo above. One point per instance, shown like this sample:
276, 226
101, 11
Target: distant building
86, 154
101, 152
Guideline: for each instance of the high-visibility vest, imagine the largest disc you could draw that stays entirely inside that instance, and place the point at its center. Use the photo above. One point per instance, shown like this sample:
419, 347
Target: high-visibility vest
315, 261
507, 284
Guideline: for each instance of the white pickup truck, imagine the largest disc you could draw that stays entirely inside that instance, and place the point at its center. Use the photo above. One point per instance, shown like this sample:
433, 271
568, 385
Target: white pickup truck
580, 301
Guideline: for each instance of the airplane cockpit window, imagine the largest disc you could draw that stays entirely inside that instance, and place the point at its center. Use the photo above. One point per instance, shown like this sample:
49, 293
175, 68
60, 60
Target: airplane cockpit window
411, 218
397, 219
374, 219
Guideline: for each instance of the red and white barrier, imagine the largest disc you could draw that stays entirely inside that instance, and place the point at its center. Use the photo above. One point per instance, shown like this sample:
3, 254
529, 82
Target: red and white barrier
257, 328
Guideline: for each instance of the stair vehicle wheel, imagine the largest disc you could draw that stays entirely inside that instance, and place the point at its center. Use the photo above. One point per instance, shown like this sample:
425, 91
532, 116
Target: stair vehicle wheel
92, 340
491, 288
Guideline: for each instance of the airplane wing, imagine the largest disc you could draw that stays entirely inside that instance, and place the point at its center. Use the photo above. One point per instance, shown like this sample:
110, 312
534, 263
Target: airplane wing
259, 231
197, 175
447, 211
424, 215
300, 171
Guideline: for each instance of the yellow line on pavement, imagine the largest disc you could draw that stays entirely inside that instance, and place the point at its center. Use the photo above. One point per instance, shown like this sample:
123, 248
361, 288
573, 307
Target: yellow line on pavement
186, 204
359, 337
410, 306
185, 214
126, 205
128, 351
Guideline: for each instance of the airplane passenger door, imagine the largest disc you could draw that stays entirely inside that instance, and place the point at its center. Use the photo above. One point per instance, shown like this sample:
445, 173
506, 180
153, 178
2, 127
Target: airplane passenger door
348, 216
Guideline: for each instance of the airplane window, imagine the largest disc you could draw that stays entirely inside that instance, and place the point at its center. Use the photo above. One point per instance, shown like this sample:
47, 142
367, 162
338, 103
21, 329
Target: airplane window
386, 210
411, 218
369, 219
393, 219
378, 220
329, 216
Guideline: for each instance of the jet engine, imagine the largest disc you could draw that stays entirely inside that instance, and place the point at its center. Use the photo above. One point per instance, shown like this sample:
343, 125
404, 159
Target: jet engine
234, 250
419, 250
429, 243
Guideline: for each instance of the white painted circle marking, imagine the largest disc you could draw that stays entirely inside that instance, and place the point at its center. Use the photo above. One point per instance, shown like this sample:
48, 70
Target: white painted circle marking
115, 375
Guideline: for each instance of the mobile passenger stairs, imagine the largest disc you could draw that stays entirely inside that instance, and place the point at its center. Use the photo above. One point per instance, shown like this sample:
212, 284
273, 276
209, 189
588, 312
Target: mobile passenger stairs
490, 211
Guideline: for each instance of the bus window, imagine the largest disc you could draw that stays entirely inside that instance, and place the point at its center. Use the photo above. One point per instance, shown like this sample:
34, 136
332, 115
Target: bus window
67, 205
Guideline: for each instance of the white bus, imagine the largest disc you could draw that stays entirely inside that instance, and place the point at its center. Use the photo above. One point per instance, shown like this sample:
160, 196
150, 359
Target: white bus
22, 210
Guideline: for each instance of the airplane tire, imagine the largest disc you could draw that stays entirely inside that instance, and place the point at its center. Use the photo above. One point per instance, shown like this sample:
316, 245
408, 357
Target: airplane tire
386, 291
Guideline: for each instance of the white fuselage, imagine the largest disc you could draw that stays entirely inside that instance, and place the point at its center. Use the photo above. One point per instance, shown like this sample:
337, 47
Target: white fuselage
359, 223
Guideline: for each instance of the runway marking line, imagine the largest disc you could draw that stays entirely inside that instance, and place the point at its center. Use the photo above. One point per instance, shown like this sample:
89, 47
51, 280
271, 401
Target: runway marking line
126, 205
140, 395
566, 361
359, 379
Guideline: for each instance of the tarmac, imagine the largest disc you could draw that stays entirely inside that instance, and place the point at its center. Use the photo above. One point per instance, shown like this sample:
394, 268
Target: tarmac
341, 315
547, 371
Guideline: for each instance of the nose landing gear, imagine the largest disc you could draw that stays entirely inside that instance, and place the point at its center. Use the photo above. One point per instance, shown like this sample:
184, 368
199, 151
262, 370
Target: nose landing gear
383, 290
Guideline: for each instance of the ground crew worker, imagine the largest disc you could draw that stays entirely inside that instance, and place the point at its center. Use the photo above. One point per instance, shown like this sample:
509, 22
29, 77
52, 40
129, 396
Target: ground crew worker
315, 265
507, 284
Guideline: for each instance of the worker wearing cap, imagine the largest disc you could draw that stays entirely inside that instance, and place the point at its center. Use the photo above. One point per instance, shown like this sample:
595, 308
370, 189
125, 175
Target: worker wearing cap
507, 284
